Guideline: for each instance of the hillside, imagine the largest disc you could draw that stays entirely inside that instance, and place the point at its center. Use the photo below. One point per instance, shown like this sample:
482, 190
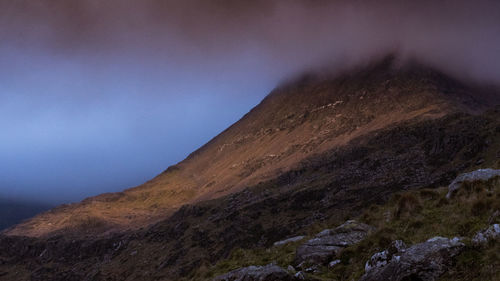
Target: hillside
409, 216
313, 154
311, 116
324, 190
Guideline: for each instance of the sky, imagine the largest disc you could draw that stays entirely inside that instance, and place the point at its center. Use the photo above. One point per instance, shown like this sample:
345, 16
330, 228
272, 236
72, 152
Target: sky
98, 96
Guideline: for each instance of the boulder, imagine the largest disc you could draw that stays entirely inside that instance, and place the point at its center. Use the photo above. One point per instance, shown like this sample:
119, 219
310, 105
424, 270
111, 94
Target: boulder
330, 242
478, 175
424, 261
257, 273
484, 236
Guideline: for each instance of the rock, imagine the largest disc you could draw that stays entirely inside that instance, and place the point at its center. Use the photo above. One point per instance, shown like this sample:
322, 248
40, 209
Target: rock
289, 240
332, 264
383, 258
257, 273
424, 261
300, 276
330, 242
478, 175
484, 236
312, 269
291, 269
315, 253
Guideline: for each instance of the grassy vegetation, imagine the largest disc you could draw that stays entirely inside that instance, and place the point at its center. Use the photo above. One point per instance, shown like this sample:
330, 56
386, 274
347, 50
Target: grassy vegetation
282, 256
411, 216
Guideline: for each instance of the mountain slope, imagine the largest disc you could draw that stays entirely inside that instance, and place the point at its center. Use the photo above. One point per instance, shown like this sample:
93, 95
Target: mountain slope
301, 119
323, 190
395, 130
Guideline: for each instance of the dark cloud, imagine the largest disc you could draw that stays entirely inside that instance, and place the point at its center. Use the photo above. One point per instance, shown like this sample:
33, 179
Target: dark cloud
459, 36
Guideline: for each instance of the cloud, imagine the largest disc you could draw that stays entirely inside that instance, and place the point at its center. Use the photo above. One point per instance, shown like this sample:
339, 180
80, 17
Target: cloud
290, 36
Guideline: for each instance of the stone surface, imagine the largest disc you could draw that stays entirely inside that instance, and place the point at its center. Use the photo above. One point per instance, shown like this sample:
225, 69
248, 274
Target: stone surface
330, 242
424, 261
257, 273
332, 264
289, 240
300, 276
312, 269
486, 235
381, 259
478, 175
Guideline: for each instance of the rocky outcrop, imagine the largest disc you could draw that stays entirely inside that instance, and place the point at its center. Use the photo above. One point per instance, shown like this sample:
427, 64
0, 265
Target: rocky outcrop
486, 235
424, 261
330, 242
478, 175
257, 273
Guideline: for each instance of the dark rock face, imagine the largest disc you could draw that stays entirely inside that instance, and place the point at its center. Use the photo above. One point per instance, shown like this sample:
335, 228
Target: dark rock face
478, 175
424, 261
257, 273
330, 242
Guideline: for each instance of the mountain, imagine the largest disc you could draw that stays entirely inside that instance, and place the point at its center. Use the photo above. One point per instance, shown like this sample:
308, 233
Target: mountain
309, 116
14, 211
316, 152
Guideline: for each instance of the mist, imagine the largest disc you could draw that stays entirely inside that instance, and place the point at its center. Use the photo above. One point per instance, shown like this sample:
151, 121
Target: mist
98, 96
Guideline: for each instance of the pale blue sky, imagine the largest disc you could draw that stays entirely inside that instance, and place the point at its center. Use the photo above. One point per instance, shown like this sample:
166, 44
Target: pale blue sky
71, 129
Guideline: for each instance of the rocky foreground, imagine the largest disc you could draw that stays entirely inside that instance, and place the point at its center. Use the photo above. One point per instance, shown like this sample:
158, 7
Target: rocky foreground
425, 261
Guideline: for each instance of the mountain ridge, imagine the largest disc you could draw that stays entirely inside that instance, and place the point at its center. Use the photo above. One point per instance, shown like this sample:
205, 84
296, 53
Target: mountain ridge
309, 116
